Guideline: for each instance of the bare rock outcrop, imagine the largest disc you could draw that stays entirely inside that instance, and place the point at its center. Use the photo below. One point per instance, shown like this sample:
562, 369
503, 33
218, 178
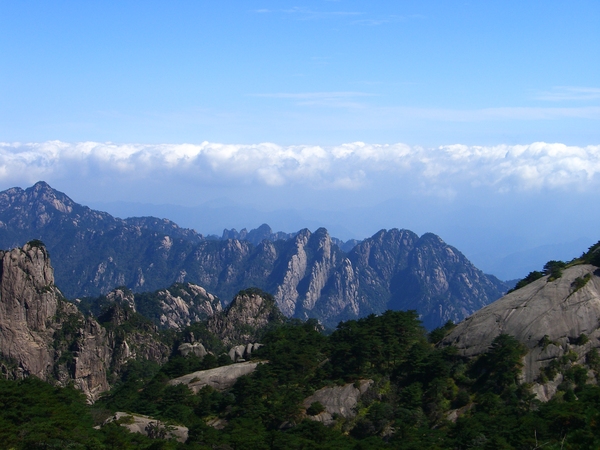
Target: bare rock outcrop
196, 349
240, 353
549, 317
221, 378
175, 307
123, 296
28, 304
337, 401
43, 335
185, 304
153, 428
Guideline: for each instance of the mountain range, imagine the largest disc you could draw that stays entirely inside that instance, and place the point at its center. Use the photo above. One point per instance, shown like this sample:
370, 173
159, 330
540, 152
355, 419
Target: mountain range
310, 274
520, 372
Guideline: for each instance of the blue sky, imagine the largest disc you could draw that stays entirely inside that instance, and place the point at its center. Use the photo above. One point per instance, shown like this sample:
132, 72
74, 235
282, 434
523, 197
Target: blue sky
312, 105
316, 72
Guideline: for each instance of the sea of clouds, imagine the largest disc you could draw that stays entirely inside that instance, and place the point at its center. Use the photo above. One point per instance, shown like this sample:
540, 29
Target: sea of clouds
347, 166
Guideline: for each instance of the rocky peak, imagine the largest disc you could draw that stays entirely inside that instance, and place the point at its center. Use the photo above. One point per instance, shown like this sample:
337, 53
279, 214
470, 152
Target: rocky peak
440, 279
28, 302
45, 195
256, 236
28, 212
385, 250
122, 295
246, 318
308, 273
29, 297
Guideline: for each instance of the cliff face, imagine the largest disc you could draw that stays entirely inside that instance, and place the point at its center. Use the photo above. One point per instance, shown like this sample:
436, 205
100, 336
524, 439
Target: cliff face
308, 273
28, 304
42, 335
549, 317
184, 305
175, 307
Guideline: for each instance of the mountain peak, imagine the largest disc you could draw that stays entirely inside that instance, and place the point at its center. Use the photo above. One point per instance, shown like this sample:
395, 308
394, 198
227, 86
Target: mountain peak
41, 185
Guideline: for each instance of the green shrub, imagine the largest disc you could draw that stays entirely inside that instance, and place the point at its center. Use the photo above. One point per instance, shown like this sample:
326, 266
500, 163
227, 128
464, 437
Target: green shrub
580, 282
554, 269
530, 278
36, 243
582, 339
315, 408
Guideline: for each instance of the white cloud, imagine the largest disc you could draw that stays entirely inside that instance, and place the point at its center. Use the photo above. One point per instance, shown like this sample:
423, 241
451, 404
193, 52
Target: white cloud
347, 166
562, 93
490, 114
312, 14
327, 99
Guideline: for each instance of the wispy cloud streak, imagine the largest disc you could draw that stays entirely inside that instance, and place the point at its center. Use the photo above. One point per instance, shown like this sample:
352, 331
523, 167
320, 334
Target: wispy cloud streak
325, 99
566, 93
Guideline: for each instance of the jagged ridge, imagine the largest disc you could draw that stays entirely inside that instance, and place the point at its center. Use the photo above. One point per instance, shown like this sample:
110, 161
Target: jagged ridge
308, 274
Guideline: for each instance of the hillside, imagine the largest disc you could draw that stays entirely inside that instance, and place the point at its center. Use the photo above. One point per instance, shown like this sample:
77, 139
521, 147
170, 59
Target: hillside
556, 317
377, 383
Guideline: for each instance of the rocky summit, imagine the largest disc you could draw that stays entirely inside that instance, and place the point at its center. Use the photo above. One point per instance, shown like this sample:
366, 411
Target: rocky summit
309, 274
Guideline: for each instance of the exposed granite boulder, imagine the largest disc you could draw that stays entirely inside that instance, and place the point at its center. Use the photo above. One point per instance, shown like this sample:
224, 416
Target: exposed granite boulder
337, 401
196, 349
221, 378
153, 428
241, 353
547, 316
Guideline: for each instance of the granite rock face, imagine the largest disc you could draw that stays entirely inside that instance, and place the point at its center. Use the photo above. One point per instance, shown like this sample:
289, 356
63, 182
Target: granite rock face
43, 335
174, 307
188, 304
220, 378
28, 304
547, 316
245, 319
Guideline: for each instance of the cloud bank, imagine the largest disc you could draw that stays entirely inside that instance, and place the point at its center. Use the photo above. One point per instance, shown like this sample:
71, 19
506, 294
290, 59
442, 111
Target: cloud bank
349, 166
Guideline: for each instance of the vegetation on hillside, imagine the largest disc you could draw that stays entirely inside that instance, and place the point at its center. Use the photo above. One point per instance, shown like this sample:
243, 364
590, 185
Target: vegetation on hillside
554, 268
422, 396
